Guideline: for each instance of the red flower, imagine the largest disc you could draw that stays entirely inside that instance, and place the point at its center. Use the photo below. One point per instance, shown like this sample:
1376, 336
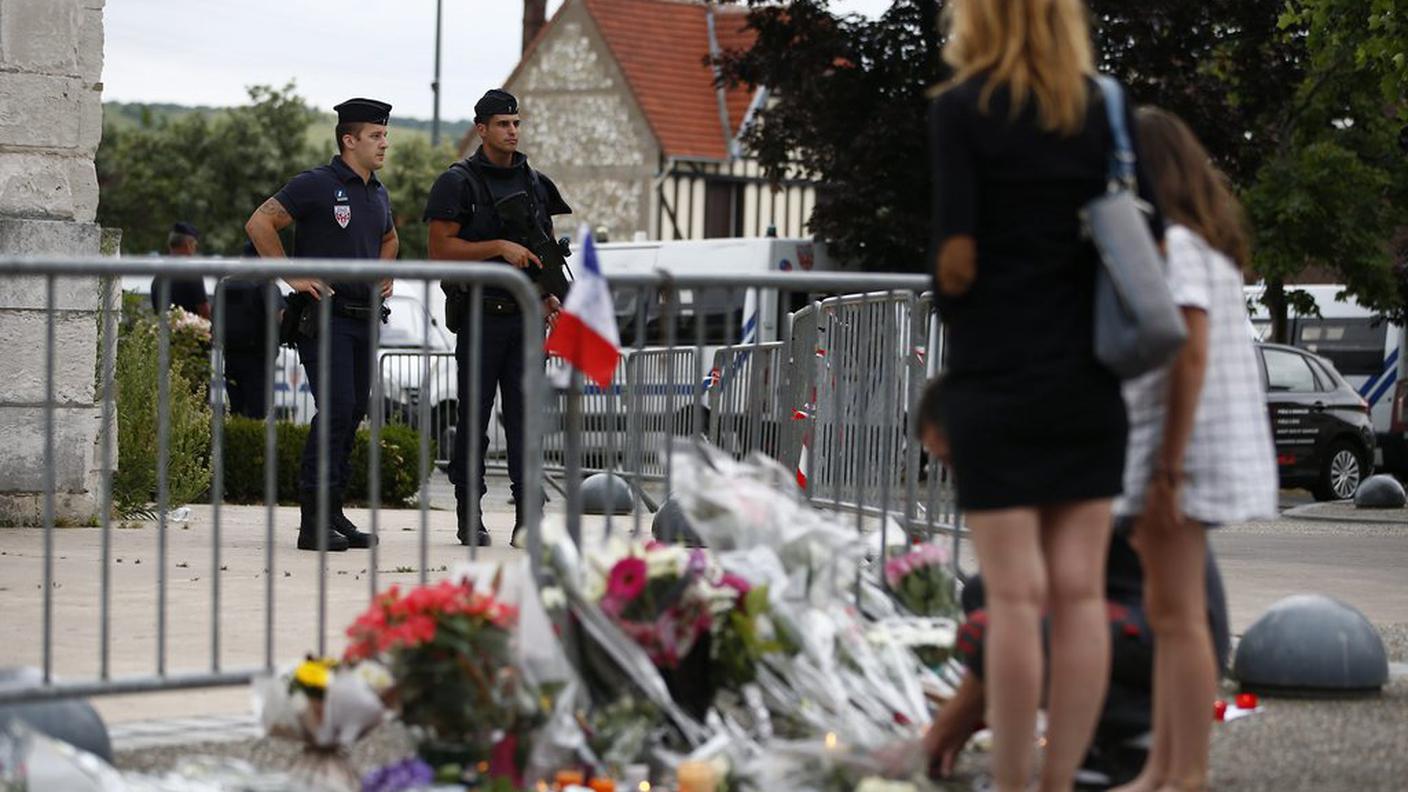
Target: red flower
627, 579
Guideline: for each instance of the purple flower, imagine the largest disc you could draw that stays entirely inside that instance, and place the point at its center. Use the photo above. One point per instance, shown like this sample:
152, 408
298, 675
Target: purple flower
407, 774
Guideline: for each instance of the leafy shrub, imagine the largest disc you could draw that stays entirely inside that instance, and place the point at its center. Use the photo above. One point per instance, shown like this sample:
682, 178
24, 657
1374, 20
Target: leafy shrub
136, 379
244, 462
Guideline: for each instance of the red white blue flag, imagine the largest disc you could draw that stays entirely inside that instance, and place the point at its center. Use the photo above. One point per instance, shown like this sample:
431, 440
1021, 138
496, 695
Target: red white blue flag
585, 334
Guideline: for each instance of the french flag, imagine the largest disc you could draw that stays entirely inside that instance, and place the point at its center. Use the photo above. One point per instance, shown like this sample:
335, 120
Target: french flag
585, 334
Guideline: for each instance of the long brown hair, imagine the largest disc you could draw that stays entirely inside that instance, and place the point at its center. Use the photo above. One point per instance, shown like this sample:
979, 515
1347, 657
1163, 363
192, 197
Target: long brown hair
1191, 191
1037, 47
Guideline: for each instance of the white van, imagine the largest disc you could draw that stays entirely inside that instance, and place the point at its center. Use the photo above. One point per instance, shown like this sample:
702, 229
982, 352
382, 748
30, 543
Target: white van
719, 257
1370, 352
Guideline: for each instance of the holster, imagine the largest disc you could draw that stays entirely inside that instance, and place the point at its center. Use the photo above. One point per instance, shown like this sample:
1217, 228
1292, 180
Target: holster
456, 308
300, 319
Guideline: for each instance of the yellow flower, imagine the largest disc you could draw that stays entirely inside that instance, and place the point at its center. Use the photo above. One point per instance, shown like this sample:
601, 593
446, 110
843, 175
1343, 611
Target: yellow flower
313, 674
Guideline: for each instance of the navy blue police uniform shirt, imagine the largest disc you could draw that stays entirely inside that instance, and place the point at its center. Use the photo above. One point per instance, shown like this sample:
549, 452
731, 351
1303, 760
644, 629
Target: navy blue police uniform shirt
455, 198
338, 216
188, 293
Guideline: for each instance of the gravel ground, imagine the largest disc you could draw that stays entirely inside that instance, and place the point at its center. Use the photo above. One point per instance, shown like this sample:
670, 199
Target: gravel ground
1302, 744
383, 746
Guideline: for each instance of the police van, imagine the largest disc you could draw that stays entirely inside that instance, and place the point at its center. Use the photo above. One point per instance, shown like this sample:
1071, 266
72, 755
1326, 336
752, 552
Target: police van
711, 331
1368, 351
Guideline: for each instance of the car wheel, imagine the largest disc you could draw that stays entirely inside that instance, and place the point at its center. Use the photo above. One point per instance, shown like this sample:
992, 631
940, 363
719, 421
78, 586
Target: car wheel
1340, 472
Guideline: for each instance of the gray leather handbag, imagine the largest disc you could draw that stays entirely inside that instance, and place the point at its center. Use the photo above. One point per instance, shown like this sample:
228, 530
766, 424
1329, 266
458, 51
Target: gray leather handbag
1137, 326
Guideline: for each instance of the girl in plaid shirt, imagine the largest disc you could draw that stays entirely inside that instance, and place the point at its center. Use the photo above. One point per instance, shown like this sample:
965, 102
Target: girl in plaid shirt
1200, 450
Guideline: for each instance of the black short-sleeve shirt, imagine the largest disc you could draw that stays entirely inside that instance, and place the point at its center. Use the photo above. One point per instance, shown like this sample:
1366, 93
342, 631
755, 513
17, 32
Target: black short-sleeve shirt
457, 197
338, 215
189, 293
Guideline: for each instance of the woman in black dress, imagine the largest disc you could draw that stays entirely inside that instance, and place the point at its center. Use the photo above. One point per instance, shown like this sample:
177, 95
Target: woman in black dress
1019, 142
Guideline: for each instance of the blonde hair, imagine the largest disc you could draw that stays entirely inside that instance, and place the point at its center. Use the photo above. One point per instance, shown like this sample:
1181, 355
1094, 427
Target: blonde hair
1037, 47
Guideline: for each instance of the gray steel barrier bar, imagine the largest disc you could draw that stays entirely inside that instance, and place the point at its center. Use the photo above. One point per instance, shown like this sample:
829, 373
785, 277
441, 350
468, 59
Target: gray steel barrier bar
755, 412
105, 681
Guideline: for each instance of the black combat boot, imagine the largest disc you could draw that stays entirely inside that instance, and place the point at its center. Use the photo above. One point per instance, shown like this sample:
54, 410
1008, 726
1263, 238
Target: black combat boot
516, 540
355, 537
308, 527
462, 520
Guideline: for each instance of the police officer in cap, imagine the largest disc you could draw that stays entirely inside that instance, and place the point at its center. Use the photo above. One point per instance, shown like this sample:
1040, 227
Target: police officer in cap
188, 293
245, 316
465, 226
339, 211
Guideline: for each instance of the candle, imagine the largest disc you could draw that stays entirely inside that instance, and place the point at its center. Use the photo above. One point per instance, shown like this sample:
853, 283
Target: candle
696, 777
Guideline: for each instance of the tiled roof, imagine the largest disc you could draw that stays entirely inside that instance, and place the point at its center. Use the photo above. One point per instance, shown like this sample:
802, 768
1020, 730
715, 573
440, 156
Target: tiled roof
662, 46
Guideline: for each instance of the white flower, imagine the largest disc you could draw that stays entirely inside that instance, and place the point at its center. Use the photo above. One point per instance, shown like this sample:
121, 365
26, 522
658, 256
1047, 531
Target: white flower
875, 784
553, 598
668, 560
376, 675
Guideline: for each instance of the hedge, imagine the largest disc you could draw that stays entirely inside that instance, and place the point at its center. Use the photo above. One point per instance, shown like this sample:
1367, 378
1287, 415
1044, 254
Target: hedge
244, 462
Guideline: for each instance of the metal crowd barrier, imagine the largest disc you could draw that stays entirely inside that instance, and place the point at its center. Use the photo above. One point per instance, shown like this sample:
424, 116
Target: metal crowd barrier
827, 393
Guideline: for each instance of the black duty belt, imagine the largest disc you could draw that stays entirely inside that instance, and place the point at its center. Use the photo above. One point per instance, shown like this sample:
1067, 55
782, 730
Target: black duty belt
360, 311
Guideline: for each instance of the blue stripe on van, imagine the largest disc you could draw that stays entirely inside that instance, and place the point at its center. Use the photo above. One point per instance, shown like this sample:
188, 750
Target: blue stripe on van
1383, 388
1390, 366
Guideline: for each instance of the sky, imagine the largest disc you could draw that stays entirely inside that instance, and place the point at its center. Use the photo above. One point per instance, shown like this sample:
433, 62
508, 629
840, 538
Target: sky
205, 52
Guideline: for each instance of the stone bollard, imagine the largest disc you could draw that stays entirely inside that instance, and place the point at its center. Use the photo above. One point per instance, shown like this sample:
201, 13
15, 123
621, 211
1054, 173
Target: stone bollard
72, 720
1311, 645
1380, 492
606, 492
671, 526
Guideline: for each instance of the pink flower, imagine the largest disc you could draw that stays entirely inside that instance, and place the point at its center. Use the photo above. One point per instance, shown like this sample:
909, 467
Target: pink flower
736, 583
627, 579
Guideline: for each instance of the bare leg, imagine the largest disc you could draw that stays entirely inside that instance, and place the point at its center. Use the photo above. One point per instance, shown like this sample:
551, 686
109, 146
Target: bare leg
1009, 554
1156, 765
1075, 538
1184, 666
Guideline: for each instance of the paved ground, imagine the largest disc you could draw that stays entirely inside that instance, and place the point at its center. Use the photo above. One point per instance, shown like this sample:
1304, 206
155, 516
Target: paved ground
1293, 745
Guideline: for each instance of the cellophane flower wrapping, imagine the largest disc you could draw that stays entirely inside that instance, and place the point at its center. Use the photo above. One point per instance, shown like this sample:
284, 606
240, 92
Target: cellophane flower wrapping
842, 690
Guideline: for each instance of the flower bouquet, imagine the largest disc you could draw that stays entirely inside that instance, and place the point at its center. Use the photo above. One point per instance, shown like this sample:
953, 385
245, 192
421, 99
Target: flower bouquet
449, 649
660, 597
919, 580
327, 706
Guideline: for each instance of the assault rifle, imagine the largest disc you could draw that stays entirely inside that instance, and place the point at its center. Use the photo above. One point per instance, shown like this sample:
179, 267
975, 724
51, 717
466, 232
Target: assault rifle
516, 212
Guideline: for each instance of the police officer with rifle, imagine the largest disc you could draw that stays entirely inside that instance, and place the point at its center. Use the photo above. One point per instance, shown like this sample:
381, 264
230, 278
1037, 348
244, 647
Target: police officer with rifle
492, 206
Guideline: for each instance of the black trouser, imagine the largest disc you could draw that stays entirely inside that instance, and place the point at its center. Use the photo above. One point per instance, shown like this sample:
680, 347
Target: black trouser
349, 386
500, 369
246, 378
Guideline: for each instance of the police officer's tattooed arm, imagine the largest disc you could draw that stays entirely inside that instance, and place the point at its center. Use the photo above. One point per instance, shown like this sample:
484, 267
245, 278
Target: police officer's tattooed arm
263, 228
390, 246
445, 244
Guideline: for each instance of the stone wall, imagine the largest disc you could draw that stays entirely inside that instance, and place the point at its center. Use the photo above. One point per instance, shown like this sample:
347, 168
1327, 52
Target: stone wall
51, 60
583, 129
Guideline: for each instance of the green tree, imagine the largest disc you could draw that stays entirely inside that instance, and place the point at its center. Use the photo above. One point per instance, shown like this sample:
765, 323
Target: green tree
1325, 196
412, 165
211, 169
848, 109
1295, 99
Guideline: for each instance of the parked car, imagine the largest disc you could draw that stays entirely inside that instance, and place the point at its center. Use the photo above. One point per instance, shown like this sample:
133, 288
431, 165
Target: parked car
1321, 426
1370, 352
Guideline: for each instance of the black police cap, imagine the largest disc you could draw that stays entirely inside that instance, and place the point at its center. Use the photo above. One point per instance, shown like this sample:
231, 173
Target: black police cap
363, 111
494, 102
185, 229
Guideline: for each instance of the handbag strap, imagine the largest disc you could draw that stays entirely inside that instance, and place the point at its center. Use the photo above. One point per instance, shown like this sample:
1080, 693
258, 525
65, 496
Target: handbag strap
1122, 156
